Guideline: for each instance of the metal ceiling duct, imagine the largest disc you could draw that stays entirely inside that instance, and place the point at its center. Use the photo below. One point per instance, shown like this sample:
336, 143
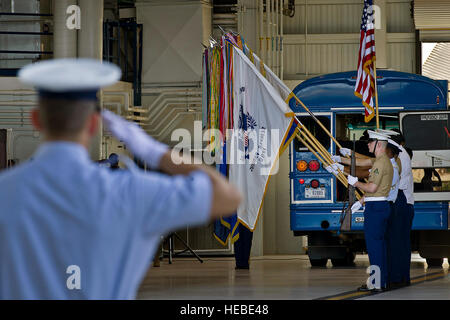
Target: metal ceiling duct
432, 14
437, 65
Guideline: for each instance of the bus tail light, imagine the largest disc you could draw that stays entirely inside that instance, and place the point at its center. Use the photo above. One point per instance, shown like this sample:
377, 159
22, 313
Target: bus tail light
314, 183
314, 165
302, 165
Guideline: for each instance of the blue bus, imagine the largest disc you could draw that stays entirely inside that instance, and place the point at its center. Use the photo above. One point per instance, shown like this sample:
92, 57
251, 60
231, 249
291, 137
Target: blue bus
415, 104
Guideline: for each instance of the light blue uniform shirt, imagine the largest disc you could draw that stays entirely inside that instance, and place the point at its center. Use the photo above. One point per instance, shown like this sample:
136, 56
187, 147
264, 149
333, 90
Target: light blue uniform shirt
395, 182
61, 209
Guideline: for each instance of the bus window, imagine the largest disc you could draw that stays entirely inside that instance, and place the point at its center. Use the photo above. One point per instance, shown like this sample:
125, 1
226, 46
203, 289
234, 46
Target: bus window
349, 126
435, 124
431, 180
316, 131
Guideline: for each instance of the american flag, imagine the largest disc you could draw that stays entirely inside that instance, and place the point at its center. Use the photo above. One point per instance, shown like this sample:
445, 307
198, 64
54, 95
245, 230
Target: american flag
365, 83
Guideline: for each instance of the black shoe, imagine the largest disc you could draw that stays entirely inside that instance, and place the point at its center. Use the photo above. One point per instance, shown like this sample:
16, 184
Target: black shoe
364, 288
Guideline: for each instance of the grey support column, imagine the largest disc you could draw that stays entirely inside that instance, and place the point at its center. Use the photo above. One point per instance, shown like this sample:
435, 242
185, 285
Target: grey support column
90, 35
90, 45
64, 39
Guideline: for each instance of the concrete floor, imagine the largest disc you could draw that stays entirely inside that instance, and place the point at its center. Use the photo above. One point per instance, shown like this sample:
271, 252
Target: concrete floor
279, 278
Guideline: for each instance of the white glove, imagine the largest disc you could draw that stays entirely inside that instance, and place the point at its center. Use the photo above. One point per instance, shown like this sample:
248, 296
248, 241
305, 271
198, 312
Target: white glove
140, 144
356, 206
352, 180
338, 167
336, 158
345, 152
331, 170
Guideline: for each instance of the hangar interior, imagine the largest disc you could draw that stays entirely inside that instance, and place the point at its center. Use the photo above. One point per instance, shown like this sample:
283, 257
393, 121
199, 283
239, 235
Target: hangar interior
159, 43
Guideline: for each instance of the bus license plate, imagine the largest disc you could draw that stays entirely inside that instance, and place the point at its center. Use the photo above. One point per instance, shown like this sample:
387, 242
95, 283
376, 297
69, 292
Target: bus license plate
314, 193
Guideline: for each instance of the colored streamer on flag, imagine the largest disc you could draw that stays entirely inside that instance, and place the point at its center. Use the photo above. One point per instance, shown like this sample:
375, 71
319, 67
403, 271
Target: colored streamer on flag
261, 105
366, 82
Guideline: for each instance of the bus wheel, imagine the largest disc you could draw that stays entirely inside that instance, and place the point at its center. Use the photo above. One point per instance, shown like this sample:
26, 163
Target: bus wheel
435, 262
318, 262
348, 261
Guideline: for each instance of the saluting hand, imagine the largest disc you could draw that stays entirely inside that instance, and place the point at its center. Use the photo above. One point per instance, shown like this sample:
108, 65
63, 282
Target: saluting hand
137, 141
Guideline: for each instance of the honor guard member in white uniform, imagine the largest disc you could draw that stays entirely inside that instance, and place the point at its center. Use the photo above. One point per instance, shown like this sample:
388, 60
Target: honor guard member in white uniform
70, 229
377, 210
404, 204
395, 222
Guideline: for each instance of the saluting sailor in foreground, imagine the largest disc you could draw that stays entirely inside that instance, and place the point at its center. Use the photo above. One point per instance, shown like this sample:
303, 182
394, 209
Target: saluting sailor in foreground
377, 209
63, 215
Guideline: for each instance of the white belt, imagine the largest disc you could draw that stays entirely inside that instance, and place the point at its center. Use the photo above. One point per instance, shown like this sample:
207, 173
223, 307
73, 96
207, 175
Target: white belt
368, 199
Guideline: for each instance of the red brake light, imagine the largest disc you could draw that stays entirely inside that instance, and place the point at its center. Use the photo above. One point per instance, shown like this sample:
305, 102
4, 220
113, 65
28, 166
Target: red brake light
314, 165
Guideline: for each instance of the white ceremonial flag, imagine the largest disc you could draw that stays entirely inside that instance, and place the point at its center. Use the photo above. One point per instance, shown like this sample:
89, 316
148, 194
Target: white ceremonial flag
276, 82
261, 122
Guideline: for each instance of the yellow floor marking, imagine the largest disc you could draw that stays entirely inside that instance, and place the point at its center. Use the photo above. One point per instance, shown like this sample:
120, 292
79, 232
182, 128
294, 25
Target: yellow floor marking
350, 295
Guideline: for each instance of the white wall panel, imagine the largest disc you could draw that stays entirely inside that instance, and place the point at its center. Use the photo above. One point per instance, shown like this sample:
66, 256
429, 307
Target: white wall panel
329, 58
401, 57
296, 24
344, 16
302, 60
294, 61
399, 17
335, 17
172, 36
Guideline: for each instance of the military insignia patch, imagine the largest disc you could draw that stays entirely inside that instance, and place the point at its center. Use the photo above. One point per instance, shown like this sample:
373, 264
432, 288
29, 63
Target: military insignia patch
376, 171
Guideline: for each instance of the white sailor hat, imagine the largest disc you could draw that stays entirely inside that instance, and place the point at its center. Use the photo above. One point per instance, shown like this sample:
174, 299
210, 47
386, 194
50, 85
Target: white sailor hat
388, 132
373, 135
394, 146
70, 78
